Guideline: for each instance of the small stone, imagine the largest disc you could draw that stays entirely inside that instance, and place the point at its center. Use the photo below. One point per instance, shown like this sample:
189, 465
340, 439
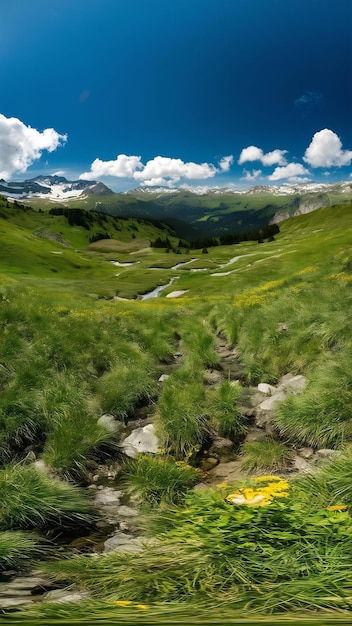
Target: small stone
306, 453
327, 453
163, 377
301, 465
64, 596
269, 390
127, 511
208, 464
295, 384
110, 423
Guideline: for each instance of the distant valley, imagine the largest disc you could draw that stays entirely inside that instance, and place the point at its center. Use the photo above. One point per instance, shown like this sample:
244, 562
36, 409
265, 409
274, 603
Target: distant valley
199, 212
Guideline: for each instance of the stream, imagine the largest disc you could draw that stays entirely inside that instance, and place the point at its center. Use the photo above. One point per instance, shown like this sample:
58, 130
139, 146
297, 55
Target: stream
157, 291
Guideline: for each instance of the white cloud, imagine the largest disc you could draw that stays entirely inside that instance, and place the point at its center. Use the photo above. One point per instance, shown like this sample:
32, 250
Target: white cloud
325, 150
252, 153
21, 145
164, 171
289, 171
122, 167
225, 163
251, 176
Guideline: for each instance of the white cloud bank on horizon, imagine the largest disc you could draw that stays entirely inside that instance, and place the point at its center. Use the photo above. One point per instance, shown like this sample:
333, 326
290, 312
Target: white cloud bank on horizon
325, 150
252, 153
158, 171
21, 145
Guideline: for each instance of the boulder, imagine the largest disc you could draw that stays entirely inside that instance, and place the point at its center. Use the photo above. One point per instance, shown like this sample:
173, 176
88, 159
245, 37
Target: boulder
141, 440
265, 411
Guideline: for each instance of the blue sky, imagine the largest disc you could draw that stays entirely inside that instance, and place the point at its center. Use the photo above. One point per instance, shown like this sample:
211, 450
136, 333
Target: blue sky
176, 92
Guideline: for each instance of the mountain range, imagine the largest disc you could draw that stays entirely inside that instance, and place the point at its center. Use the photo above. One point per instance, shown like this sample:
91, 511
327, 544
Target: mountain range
191, 212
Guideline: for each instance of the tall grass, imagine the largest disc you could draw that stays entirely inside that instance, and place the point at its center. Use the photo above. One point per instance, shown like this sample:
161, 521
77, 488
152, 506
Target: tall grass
224, 410
181, 418
31, 499
18, 549
154, 480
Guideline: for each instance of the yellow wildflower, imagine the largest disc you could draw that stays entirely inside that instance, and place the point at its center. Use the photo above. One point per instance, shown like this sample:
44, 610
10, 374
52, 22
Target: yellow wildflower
337, 507
123, 602
222, 485
142, 607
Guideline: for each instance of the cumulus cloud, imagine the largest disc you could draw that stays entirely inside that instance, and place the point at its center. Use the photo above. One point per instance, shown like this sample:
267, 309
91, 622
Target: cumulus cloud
325, 150
290, 171
21, 145
158, 171
225, 163
122, 167
251, 176
252, 153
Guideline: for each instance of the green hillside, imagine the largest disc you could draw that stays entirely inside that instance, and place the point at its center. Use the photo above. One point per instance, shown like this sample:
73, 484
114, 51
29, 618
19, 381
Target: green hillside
272, 544
192, 215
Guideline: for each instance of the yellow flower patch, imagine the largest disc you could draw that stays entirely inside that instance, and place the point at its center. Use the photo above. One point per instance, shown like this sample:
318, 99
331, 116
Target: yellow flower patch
263, 495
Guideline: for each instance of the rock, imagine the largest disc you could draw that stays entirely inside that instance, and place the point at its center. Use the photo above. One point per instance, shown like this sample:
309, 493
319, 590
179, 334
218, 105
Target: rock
141, 440
265, 411
65, 596
271, 403
212, 377
127, 511
163, 377
306, 453
222, 449
208, 463
327, 453
110, 423
225, 472
294, 384
269, 390
41, 466
301, 465
122, 541
9, 602
107, 497
255, 434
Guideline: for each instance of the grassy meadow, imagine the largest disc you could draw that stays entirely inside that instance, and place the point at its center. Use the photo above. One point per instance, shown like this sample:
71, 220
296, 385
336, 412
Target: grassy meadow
77, 341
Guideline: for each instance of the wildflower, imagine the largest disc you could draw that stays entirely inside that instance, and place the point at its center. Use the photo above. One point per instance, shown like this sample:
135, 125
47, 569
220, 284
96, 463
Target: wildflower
123, 602
222, 485
337, 507
142, 607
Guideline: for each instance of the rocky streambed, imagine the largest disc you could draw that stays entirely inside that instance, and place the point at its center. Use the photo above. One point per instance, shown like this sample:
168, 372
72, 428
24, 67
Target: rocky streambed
116, 526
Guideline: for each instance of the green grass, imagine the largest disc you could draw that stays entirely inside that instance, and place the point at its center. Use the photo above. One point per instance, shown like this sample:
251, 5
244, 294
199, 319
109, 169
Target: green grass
18, 549
268, 454
31, 499
224, 410
154, 480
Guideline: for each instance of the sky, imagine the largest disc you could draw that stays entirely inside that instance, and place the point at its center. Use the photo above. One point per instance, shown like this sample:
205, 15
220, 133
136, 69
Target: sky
176, 93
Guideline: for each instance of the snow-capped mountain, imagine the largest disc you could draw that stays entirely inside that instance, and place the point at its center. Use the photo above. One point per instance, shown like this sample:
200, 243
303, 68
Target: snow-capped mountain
55, 188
